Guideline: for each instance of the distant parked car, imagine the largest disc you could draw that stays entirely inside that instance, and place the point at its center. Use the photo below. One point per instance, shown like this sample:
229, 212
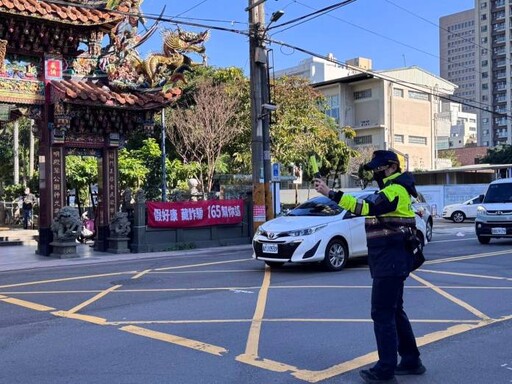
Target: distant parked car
422, 208
460, 212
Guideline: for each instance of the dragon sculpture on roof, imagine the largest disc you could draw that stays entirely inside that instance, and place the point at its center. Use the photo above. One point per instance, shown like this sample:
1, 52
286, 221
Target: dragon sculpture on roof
125, 68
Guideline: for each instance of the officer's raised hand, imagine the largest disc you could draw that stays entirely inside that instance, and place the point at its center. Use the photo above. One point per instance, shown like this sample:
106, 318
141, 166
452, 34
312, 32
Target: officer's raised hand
321, 187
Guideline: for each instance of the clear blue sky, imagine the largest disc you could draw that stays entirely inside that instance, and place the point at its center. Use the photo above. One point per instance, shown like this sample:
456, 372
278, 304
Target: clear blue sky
392, 33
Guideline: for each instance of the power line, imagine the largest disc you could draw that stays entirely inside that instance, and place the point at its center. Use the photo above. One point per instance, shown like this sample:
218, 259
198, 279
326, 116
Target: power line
411, 47
168, 19
383, 36
387, 78
487, 108
436, 25
311, 16
190, 9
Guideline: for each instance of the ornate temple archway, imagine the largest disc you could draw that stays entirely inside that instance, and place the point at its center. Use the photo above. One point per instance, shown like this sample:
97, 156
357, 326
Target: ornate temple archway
85, 101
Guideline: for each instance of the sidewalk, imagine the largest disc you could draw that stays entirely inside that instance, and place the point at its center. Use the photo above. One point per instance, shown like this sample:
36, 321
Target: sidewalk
19, 257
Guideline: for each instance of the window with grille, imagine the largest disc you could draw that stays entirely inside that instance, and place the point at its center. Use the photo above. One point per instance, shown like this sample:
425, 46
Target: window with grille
358, 140
418, 140
364, 94
418, 95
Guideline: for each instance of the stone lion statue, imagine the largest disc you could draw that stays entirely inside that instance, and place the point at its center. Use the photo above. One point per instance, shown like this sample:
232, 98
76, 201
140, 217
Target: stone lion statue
120, 225
140, 196
66, 226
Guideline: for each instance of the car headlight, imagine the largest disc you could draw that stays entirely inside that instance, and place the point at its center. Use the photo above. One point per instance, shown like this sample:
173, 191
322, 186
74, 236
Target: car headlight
305, 231
481, 211
259, 231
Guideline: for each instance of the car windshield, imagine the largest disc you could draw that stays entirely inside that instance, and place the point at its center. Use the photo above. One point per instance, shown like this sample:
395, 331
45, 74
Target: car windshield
319, 206
499, 193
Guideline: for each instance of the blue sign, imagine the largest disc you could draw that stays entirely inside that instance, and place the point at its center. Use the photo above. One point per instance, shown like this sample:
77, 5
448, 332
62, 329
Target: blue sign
276, 172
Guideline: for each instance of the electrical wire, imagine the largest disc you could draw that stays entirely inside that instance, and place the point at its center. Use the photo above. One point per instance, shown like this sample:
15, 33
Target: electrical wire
168, 19
190, 9
302, 19
487, 108
387, 78
405, 45
383, 36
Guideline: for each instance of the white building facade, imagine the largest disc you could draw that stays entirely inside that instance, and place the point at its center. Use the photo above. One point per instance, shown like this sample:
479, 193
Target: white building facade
317, 69
462, 125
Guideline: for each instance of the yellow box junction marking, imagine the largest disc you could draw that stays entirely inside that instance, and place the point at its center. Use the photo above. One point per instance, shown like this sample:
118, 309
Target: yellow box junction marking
67, 279
173, 339
452, 298
93, 299
27, 304
251, 352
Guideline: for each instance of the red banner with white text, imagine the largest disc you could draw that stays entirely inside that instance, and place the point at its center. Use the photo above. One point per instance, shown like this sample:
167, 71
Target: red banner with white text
194, 213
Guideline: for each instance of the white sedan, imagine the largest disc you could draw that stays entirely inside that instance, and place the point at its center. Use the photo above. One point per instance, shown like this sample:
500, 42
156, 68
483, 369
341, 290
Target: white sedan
460, 212
318, 230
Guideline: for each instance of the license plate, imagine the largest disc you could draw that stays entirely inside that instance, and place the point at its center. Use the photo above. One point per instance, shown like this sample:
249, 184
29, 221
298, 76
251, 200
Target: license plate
499, 231
269, 248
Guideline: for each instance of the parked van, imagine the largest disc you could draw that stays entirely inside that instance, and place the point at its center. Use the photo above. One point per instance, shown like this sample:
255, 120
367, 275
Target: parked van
494, 214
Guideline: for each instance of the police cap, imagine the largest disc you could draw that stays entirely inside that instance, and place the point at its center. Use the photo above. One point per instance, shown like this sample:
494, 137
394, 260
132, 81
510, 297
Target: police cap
381, 158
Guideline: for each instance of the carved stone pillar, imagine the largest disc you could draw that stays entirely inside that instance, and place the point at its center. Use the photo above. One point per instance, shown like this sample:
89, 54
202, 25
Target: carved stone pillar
107, 196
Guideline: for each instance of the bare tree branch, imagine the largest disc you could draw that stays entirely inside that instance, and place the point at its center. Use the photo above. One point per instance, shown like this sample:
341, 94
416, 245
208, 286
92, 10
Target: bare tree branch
200, 131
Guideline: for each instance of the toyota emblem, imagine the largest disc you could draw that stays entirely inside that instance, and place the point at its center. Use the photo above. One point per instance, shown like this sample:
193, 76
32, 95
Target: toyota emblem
499, 213
271, 235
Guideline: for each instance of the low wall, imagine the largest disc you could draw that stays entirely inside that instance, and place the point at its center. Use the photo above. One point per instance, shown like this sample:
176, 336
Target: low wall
145, 239
437, 196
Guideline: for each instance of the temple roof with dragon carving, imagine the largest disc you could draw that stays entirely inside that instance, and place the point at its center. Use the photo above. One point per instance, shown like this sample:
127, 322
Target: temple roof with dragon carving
103, 76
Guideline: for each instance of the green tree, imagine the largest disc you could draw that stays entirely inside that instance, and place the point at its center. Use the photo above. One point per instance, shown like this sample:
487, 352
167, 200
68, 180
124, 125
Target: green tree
7, 152
81, 173
450, 155
498, 155
301, 127
149, 156
132, 171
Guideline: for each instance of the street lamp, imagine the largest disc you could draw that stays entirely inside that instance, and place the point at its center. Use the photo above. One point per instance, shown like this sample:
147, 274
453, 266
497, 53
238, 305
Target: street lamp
275, 16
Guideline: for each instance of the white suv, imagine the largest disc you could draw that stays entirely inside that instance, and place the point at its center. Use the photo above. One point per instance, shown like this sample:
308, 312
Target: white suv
494, 214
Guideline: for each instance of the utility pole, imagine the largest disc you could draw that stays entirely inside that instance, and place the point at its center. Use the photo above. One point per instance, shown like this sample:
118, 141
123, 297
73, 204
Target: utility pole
256, 21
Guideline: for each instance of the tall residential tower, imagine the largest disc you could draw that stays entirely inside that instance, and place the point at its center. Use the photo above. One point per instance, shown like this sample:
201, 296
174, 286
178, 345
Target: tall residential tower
493, 66
458, 54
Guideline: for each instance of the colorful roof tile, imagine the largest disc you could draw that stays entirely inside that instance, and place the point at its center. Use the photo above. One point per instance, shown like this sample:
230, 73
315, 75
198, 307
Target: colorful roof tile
89, 92
62, 13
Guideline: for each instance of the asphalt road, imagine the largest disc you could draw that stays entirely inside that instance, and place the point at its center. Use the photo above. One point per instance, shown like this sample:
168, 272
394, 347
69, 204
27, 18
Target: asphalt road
222, 318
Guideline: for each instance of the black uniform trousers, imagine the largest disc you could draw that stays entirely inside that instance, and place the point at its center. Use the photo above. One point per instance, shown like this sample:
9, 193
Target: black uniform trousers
392, 328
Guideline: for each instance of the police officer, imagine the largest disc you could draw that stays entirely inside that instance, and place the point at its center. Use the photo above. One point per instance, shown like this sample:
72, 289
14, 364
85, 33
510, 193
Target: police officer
389, 217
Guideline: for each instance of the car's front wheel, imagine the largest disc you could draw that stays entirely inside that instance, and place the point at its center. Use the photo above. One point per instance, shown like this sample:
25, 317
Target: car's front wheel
458, 217
430, 224
336, 255
484, 239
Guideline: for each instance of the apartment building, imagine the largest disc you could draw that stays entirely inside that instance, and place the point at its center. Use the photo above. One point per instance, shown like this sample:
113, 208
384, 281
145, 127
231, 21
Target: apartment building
493, 65
392, 109
458, 51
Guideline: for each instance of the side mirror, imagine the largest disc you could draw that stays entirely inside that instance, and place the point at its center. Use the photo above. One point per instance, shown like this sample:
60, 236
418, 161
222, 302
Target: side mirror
481, 198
